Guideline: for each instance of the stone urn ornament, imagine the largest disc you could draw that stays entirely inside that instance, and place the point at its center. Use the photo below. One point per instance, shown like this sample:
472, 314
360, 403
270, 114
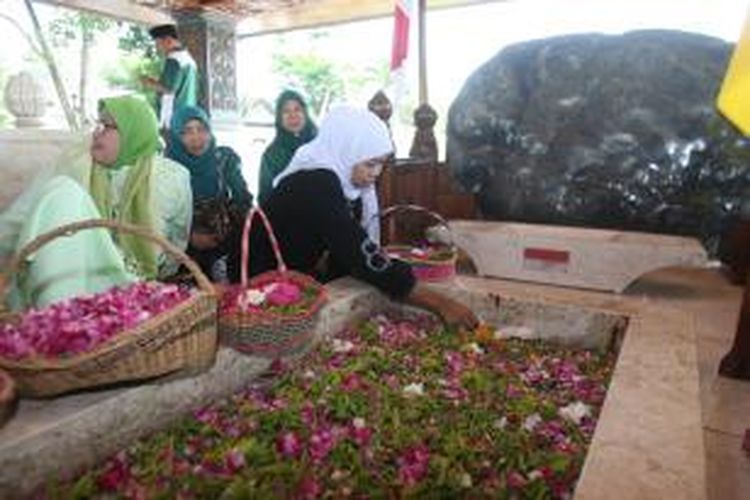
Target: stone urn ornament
424, 146
24, 98
381, 106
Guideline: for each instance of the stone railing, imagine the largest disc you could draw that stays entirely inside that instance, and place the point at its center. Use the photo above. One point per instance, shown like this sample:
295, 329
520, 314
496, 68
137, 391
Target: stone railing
27, 149
24, 153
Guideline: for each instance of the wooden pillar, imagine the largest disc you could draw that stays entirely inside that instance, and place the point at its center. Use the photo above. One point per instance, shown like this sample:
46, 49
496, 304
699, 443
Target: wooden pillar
382, 107
424, 145
736, 363
211, 40
422, 21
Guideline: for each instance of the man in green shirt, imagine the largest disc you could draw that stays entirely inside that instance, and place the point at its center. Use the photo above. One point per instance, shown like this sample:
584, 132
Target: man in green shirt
177, 85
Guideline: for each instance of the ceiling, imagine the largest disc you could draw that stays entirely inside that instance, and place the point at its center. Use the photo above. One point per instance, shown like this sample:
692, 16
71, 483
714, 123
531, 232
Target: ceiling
254, 16
237, 9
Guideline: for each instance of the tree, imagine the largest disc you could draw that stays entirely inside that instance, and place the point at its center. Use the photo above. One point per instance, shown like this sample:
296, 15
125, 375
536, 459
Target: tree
140, 59
4, 116
40, 49
322, 79
82, 27
315, 76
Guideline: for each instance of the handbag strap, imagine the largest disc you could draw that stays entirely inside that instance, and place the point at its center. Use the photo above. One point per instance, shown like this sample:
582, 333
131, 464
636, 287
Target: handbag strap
396, 209
281, 265
221, 172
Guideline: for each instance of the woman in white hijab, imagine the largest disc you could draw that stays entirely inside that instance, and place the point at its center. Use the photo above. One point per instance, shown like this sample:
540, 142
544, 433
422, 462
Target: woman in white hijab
351, 142
311, 212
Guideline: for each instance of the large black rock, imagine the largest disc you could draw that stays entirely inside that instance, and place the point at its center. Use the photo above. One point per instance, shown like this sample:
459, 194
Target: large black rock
615, 131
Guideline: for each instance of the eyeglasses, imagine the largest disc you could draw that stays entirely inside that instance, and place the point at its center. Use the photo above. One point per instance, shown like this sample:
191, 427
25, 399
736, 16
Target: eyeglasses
102, 126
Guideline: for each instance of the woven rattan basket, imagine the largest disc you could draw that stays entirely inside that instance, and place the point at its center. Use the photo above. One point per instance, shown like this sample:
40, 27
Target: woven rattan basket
183, 338
265, 332
437, 264
7, 397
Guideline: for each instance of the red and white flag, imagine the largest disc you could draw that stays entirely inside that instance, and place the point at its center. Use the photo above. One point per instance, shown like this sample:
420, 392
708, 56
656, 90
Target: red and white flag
402, 18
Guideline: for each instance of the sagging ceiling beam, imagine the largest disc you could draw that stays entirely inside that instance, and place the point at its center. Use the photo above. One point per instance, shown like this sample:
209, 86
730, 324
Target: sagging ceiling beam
317, 13
124, 10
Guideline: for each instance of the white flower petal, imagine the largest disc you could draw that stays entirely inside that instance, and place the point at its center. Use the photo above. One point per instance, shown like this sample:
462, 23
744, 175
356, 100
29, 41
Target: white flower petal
414, 389
532, 421
342, 346
501, 423
575, 412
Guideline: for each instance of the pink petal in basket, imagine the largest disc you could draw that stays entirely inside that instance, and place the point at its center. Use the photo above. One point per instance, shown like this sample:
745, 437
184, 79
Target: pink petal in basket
283, 294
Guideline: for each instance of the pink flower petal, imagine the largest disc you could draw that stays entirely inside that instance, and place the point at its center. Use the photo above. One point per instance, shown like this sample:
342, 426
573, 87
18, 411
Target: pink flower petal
289, 445
413, 465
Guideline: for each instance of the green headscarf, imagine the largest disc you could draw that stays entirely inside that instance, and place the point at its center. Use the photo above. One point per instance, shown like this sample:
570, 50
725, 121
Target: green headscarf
280, 152
204, 175
139, 142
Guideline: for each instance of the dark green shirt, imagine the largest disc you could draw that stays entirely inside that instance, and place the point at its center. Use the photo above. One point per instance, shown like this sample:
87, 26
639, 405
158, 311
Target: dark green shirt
180, 76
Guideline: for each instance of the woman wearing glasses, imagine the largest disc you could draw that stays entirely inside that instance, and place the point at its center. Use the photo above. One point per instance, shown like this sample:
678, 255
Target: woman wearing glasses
122, 178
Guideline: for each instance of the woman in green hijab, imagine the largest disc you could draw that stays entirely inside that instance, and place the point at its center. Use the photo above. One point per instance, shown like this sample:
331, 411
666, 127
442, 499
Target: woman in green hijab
294, 128
124, 179
219, 190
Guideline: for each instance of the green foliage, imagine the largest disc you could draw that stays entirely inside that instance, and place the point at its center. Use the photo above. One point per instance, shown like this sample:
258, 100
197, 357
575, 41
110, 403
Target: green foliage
136, 40
140, 59
81, 28
321, 79
126, 73
74, 26
316, 76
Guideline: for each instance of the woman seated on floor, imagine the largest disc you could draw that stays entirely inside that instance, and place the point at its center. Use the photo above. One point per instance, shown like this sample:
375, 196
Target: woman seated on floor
310, 210
294, 128
122, 178
219, 190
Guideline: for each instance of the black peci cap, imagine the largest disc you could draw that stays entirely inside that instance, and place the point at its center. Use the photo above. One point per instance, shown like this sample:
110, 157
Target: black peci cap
163, 31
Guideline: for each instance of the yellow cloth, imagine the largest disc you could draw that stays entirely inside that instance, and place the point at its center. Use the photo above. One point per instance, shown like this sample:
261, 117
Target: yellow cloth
734, 97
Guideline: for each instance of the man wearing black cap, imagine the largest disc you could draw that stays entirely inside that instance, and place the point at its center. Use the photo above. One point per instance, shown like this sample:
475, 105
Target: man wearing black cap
178, 84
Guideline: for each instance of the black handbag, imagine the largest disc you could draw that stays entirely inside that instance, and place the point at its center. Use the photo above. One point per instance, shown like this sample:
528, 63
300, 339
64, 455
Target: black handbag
216, 214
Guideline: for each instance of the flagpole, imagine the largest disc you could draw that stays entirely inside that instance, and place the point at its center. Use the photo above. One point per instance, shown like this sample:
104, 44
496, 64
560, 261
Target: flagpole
421, 11
424, 145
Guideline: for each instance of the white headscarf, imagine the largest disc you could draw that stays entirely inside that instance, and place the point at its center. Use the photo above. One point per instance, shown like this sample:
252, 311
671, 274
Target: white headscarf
346, 137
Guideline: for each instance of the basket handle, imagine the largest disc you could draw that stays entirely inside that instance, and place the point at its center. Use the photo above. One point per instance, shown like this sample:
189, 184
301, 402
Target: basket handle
394, 209
246, 243
70, 229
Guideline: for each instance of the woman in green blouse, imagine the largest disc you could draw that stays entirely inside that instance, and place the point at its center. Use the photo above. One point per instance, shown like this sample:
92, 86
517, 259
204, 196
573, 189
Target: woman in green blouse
123, 178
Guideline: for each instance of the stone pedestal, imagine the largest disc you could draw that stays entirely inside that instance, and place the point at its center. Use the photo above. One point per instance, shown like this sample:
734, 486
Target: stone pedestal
571, 256
381, 106
424, 146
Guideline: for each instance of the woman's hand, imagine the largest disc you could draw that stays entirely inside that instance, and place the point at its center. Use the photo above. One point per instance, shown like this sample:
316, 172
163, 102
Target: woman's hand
456, 314
204, 241
453, 313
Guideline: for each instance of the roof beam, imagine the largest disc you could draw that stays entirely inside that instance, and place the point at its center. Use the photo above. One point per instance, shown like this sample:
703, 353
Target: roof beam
124, 10
319, 13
